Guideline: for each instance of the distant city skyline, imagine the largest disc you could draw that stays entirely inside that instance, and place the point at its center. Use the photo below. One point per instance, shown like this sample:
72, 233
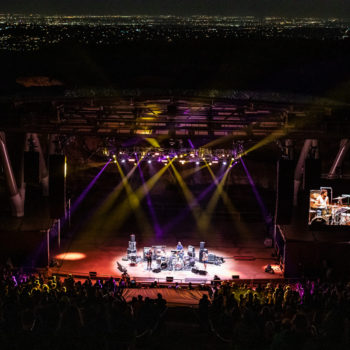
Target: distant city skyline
290, 8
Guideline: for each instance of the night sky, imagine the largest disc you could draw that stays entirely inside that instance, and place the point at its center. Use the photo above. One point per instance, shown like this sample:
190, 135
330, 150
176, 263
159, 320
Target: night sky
322, 8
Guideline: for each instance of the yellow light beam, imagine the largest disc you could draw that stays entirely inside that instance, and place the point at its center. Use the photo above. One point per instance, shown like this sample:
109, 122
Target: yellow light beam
153, 142
188, 172
207, 214
123, 210
195, 209
134, 202
229, 205
218, 141
275, 135
107, 204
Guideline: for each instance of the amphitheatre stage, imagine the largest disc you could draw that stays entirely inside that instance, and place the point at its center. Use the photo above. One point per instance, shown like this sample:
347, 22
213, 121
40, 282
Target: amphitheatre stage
169, 169
245, 261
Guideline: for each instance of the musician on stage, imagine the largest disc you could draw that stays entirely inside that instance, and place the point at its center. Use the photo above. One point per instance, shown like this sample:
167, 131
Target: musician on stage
179, 247
205, 259
180, 250
149, 259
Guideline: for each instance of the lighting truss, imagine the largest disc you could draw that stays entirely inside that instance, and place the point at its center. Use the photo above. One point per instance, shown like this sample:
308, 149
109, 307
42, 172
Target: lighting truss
182, 156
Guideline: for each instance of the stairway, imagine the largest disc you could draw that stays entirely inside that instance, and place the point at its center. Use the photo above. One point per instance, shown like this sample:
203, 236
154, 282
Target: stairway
179, 329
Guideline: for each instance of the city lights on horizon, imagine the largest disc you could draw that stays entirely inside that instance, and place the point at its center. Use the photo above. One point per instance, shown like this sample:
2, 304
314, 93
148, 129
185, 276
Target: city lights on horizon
52, 30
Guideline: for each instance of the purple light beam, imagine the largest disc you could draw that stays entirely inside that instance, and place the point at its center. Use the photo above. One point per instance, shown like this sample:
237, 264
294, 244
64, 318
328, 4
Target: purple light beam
195, 201
156, 225
191, 144
256, 192
87, 189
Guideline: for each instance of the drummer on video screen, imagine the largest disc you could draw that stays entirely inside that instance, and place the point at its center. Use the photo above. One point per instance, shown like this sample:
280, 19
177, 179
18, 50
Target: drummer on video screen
322, 201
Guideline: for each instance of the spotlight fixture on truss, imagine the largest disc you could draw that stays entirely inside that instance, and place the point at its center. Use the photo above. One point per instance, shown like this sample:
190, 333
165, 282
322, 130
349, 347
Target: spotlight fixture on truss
181, 156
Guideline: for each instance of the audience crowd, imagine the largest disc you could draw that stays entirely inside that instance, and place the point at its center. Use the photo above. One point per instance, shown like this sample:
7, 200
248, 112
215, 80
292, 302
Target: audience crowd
54, 314
310, 315
50, 313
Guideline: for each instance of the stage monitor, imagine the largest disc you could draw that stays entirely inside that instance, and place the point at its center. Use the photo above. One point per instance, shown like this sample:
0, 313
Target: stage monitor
328, 211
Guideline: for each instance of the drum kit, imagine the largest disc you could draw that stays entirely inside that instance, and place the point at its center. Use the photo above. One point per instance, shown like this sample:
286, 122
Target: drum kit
175, 261
163, 260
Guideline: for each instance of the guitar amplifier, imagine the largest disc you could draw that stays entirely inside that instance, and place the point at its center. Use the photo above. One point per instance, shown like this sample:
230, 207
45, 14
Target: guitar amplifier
211, 257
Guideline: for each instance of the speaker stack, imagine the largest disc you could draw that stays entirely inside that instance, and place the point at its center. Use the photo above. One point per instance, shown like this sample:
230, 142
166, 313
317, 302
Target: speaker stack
191, 251
57, 185
131, 251
31, 167
312, 174
285, 190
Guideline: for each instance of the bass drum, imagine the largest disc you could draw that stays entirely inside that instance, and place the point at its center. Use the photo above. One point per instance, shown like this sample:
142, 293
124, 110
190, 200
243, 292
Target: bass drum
189, 261
186, 260
178, 265
319, 220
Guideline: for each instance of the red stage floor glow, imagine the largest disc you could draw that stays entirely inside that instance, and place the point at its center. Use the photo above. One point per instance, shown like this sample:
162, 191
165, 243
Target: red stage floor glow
71, 256
103, 259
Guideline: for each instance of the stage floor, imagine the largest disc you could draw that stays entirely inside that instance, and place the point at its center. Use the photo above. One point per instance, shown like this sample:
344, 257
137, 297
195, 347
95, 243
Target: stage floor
99, 255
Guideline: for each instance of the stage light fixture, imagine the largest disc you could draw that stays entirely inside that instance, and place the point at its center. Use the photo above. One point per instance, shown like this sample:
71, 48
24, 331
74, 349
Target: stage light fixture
224, 163
149, 162
197, 163
123, 160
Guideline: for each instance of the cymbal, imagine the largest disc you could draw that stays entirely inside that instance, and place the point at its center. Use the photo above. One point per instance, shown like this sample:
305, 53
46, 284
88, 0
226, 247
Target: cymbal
340, 197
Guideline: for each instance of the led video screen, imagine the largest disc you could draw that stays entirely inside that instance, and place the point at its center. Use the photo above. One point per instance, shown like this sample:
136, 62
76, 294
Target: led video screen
324, 209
